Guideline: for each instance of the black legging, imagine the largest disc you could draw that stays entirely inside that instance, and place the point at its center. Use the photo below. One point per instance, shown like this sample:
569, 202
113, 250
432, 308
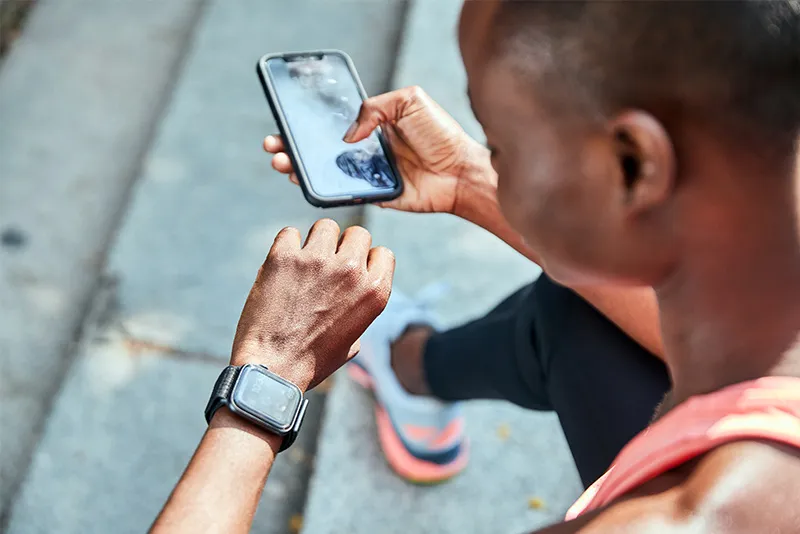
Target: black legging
545, 348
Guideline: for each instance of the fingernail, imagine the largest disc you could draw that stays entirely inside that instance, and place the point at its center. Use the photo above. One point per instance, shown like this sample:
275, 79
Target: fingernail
350, 132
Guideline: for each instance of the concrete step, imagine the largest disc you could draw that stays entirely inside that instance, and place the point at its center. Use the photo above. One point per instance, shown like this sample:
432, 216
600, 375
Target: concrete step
516, 455
209, 205
202, 217
80, 93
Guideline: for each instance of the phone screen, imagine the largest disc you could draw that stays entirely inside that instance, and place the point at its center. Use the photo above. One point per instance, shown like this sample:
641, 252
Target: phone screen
320, 100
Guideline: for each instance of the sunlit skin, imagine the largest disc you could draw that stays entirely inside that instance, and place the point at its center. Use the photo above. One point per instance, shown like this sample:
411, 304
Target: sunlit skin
713, 228
561, 186
333, 282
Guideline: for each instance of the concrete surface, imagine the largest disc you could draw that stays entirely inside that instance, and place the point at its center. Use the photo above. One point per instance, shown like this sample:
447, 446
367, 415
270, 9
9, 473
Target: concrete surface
119, 438
79, 94
203, 213
202, 216
209, 205
115, 443
353, 490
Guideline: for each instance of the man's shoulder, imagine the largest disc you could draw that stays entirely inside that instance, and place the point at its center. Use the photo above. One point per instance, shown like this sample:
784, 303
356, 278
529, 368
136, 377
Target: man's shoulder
743, 486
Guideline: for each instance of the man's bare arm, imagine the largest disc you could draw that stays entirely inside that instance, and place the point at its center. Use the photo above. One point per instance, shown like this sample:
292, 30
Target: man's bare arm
740, 488
221, 487
307, 308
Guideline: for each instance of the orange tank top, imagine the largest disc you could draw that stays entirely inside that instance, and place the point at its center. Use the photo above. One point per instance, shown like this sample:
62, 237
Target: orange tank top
767, 408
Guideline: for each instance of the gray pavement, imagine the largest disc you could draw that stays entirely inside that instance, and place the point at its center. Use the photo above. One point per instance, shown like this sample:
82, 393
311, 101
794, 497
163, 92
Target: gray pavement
79, 96
197, 225
116, 440
202, 216
516, 455
208, 205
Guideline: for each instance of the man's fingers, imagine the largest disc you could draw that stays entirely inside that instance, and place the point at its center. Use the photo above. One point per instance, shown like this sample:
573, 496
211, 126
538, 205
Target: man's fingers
354, 349
282, 163
386, 108
323, 237
287, 239
273, 144
355, 243
380, 263
399, 147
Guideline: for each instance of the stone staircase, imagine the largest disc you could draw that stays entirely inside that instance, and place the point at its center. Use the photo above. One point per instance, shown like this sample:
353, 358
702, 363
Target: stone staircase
134, 170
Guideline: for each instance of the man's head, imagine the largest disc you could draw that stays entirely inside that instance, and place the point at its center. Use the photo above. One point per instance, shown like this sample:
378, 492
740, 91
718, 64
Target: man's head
621, 129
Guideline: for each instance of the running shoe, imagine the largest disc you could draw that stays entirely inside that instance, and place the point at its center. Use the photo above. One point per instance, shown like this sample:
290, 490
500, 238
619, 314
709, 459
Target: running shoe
422, 438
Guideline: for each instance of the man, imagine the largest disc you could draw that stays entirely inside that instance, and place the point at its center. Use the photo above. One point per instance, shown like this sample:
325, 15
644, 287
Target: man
510, 354
543, 348
654, 144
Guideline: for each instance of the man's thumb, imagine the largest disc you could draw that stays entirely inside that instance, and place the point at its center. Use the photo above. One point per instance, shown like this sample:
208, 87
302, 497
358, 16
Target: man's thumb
386, 108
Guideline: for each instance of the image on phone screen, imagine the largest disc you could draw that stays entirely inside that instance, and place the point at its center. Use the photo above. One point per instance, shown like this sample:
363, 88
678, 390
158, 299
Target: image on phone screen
320, 100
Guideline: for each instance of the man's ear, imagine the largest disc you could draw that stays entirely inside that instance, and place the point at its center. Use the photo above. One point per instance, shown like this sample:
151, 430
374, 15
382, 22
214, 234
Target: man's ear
646, 160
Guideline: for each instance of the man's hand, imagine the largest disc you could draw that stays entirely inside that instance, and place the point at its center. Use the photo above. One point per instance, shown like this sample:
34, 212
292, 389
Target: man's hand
438, 161
445, 170
311, 302
302, 319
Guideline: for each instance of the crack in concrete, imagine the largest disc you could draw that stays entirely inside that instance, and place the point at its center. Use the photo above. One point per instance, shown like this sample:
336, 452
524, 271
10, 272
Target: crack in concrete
136, 347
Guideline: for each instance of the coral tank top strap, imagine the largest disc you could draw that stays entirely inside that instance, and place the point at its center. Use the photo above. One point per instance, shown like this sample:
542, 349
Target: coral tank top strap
767, 409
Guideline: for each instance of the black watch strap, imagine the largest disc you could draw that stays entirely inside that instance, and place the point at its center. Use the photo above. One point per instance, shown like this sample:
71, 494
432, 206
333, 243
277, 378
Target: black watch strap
222, 392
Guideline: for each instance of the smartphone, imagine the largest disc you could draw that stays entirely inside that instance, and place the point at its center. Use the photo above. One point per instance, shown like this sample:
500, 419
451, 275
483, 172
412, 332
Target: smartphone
315, 97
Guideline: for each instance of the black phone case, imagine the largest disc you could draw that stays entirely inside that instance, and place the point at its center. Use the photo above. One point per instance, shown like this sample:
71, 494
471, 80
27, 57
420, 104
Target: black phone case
305, 184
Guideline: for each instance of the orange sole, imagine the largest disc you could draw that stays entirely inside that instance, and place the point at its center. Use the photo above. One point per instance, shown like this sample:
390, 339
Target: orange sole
402, 462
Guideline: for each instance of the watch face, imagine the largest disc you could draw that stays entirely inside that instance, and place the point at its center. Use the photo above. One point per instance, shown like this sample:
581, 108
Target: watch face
266, 396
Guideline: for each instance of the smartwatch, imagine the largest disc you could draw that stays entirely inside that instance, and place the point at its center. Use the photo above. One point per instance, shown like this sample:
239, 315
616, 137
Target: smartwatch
255, 393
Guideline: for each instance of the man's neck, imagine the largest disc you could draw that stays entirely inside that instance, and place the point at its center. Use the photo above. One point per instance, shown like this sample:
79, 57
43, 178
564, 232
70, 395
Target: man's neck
731, 312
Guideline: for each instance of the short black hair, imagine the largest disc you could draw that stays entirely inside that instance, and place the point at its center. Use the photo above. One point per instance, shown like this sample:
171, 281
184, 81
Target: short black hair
734, 63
